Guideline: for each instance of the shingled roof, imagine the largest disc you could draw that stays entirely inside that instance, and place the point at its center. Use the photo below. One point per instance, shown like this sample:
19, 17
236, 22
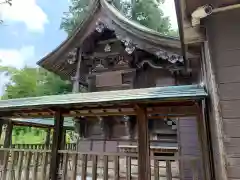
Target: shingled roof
103, 12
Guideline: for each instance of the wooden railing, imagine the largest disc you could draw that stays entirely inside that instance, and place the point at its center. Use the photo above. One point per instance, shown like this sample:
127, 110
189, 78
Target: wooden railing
25, 164
69, 146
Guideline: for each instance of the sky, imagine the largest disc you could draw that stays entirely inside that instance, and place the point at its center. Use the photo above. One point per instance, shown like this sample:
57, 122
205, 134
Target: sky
31, 30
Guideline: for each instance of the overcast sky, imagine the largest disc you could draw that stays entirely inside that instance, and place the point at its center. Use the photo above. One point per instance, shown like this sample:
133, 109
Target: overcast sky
31, 30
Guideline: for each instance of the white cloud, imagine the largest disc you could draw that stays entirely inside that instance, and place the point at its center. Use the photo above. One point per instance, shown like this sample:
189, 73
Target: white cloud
16, 57
27, 12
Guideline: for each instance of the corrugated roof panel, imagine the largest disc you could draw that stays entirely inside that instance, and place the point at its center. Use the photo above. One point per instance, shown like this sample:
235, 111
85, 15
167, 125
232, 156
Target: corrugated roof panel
136, 95
68, 122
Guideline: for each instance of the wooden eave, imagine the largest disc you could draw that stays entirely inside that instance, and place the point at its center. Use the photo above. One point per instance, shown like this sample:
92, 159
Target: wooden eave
143, 37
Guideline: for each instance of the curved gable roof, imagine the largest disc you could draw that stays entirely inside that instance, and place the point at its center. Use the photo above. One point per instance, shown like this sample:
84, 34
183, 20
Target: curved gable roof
143, 37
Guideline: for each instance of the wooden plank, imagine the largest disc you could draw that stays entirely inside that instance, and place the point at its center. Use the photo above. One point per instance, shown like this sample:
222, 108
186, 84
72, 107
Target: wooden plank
19, 165
168, 170
5, 165
116, 167
57, 136
228, 74
65, 166
156, 169
105, 167
94, 167
44, 165
27, 165
84, 167
74, 166
143, 144
229, 91
35, 165
194, 170
11, 166
128, 166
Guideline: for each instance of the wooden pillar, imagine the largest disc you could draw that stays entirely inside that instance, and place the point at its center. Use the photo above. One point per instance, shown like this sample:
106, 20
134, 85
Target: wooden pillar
204, 143
47, 141
143, 144
76, 79
1, 126
8, 135
57, 136
63, 142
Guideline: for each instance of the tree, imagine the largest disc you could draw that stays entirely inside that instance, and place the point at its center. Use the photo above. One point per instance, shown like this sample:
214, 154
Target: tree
145, 12
76, 14
31, 82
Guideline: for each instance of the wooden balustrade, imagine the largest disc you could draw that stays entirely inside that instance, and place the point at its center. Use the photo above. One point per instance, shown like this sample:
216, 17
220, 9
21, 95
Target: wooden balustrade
34, 164
69, 146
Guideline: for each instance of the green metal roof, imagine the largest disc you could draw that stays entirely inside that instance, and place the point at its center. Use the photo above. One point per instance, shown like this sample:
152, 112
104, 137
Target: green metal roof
68, 122
137, 95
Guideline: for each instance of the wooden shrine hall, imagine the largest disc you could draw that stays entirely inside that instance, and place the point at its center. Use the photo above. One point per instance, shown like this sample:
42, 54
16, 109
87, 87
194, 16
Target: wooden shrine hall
141, 113
175, 101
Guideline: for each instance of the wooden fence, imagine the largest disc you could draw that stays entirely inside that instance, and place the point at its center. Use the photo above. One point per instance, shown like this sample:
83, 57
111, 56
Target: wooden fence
23, 164
69, 146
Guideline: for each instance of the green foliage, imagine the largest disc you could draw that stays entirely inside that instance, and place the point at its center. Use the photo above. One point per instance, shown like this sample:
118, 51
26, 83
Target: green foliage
145, 12
31, 82
76, 14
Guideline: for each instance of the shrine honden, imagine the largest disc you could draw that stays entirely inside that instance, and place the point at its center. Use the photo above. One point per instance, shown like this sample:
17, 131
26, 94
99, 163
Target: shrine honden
137, 106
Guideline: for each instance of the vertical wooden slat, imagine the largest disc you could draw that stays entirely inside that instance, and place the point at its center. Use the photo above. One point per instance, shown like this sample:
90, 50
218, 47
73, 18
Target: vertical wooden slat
116, 168
65, 166
5, 165
35, 167
194, 169
57, 136
27, 165
156, 169
105, 167
11, 166
94, 167
143, 144
44, 165
19, 165
74, 166
84, 166
128, 166
168, 170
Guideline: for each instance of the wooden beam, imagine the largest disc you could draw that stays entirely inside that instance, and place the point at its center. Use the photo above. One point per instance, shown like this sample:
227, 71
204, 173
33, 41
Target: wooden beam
204, 141
48, 136
57, 136
76, 86
8, 135
143, 144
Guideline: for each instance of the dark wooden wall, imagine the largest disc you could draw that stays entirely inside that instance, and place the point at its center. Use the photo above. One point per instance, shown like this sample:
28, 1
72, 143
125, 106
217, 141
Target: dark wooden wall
189, 146
223, 31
